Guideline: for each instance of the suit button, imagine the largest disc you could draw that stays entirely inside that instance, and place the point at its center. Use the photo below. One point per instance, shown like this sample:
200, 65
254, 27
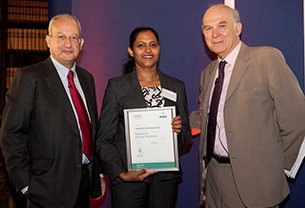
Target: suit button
79, 145
79, 166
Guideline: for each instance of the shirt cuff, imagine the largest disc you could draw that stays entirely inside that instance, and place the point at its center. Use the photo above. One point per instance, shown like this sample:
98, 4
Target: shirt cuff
25, 190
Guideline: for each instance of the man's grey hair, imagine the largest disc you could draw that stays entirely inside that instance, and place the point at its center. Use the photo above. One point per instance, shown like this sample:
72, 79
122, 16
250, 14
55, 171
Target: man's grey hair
64, 16
236, 17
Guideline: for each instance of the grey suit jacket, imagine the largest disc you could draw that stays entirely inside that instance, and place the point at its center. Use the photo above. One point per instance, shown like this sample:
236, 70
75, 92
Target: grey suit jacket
264, 117
124, 92
40, 138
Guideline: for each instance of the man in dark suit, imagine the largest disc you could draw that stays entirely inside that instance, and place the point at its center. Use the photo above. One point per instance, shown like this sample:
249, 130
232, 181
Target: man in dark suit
41, 138
259, 126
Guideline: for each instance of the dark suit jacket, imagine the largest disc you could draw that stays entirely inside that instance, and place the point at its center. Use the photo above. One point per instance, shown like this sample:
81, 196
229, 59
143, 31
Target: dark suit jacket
124, 92
40, 138
264, 117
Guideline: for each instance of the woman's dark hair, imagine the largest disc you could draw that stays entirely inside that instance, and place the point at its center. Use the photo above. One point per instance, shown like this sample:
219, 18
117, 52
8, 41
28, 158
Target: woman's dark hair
130, 63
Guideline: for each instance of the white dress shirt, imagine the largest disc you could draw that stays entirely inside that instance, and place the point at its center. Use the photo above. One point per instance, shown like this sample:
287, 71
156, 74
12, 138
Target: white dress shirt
63, 73
221, 146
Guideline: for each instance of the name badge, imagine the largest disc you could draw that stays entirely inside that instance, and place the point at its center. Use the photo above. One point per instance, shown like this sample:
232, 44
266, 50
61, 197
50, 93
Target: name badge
169, 94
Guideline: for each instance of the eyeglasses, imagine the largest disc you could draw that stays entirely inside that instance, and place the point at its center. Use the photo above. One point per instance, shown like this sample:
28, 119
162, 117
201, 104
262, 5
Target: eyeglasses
63, 38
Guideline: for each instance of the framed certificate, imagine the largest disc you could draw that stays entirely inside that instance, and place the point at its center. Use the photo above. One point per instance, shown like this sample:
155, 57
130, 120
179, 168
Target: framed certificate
150, 140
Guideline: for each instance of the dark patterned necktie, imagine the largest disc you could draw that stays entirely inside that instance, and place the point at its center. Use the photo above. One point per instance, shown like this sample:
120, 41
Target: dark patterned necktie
213, 111
83, 118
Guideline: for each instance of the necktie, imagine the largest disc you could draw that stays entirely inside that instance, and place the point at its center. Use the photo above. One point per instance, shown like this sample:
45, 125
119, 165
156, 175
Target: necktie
83, 118
213, 111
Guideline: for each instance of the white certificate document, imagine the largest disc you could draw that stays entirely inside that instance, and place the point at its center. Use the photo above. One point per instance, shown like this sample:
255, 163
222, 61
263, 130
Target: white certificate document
150, 140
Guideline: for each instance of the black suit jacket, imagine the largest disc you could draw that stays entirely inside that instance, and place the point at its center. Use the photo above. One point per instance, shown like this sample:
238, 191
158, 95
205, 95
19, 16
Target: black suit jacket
40, 139
124, 92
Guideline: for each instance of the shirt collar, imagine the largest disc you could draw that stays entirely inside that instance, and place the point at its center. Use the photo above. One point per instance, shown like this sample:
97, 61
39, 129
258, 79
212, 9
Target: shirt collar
231, 58
61, 69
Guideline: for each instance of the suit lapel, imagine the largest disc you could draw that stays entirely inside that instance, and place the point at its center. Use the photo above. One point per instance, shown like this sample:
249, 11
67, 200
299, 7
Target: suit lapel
209, 84
137, 92
238, 70
165, 83
55, 85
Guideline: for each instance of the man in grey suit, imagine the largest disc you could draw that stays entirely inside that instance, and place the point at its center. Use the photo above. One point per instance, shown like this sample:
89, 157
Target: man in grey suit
41, 138
259, 124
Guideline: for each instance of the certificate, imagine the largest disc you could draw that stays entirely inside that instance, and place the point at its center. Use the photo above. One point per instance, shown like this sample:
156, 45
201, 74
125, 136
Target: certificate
150, 140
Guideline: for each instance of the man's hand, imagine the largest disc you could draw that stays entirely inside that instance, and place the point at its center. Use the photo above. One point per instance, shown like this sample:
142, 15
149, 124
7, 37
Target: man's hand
103, 188
134, 175
177, 124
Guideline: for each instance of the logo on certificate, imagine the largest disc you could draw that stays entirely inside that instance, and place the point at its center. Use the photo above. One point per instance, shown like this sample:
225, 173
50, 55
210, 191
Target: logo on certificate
137, 116
163, 115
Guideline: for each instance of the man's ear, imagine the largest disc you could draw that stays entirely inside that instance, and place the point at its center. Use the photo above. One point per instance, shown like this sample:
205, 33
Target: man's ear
48, 40
238, 28
81, 43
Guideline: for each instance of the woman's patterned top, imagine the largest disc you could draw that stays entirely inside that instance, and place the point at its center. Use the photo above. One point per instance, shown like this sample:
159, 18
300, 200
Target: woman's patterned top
153, 96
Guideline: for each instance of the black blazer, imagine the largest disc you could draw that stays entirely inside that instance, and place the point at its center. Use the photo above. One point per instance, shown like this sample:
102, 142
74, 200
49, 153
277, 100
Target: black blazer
40, 139
124, 92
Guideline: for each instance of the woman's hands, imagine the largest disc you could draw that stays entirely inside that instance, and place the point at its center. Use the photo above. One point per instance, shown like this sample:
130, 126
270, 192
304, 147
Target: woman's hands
134, 175
177, 124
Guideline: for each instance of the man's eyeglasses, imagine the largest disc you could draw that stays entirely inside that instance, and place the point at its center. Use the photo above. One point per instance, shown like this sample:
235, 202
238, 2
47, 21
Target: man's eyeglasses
63, 38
